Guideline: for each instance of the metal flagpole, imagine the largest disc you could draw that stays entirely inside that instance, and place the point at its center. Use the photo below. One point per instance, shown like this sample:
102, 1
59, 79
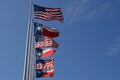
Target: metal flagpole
28, 42
29, 55
32, 60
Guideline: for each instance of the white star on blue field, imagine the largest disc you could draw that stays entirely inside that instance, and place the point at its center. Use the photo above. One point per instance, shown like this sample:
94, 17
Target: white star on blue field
89, 39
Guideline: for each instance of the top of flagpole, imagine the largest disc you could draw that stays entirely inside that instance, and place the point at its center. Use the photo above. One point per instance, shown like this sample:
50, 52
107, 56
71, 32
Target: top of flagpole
30, 1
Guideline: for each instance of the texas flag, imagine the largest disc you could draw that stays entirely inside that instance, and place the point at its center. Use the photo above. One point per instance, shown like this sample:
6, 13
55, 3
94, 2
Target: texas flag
42, 30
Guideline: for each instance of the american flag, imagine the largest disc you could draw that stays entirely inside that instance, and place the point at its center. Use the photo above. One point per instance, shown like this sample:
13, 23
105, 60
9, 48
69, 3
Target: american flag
48, 42
47, 14
45, 68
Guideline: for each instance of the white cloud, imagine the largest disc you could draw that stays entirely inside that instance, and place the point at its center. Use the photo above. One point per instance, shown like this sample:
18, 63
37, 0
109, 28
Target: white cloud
77, 10
115, 48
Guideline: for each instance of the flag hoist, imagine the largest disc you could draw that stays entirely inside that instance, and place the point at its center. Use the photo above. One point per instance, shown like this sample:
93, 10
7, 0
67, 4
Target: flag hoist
40, 45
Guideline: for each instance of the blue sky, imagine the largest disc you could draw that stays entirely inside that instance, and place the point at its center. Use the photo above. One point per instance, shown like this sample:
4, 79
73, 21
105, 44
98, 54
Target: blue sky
89, 39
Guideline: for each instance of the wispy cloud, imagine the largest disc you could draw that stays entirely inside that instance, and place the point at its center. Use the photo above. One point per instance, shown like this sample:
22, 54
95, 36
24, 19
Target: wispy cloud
115, 48
78, 10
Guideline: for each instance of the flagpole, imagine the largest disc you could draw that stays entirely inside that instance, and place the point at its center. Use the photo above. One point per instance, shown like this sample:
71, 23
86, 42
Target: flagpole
29, 54
32, 60
28, 42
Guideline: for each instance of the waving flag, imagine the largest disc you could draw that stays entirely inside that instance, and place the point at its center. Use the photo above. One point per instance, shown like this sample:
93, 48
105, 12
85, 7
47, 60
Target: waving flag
42, 30
47, 14
48, 42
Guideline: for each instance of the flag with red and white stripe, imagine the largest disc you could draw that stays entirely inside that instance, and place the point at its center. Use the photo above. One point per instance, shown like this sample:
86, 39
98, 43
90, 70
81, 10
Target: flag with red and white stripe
48, 14
48, 42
